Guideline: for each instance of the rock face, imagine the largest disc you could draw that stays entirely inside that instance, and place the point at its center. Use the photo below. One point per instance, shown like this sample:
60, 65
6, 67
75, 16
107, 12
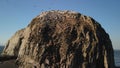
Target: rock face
61, 39
13, 45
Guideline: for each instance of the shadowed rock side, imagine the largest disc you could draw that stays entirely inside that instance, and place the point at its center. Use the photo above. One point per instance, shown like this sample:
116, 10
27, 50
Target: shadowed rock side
61, 39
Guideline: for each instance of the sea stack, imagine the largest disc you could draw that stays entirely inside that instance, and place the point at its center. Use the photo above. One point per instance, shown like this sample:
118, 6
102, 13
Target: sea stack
61, 39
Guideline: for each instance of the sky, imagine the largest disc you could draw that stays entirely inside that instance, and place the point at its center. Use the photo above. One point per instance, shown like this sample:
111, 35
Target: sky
17, 14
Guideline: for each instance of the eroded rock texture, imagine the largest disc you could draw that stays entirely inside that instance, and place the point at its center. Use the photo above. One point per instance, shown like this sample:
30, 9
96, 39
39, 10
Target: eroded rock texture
61, 39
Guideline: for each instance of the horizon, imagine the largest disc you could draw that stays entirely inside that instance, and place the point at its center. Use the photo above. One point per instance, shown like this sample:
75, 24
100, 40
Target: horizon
15, 15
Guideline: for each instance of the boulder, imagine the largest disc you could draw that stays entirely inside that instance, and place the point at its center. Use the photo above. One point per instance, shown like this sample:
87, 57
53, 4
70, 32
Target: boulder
61, 39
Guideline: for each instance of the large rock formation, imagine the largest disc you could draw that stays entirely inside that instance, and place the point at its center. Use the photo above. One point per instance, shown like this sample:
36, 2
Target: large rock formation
61, 39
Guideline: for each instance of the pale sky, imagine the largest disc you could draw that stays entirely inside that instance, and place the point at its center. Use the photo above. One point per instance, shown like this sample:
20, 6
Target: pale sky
17, 14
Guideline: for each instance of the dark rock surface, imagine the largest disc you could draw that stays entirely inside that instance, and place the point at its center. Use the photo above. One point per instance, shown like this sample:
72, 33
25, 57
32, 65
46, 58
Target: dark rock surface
61, 39
8, 64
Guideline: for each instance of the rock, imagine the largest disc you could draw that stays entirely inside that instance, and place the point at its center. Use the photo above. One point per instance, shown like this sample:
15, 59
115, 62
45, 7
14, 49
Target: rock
8, 64
62, 39
13, 45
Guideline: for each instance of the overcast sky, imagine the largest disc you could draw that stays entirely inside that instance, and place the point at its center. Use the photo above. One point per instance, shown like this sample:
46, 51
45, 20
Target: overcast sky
17, 14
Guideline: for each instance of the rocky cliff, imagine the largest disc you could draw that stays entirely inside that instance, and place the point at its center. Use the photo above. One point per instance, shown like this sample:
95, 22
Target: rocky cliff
61, 39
